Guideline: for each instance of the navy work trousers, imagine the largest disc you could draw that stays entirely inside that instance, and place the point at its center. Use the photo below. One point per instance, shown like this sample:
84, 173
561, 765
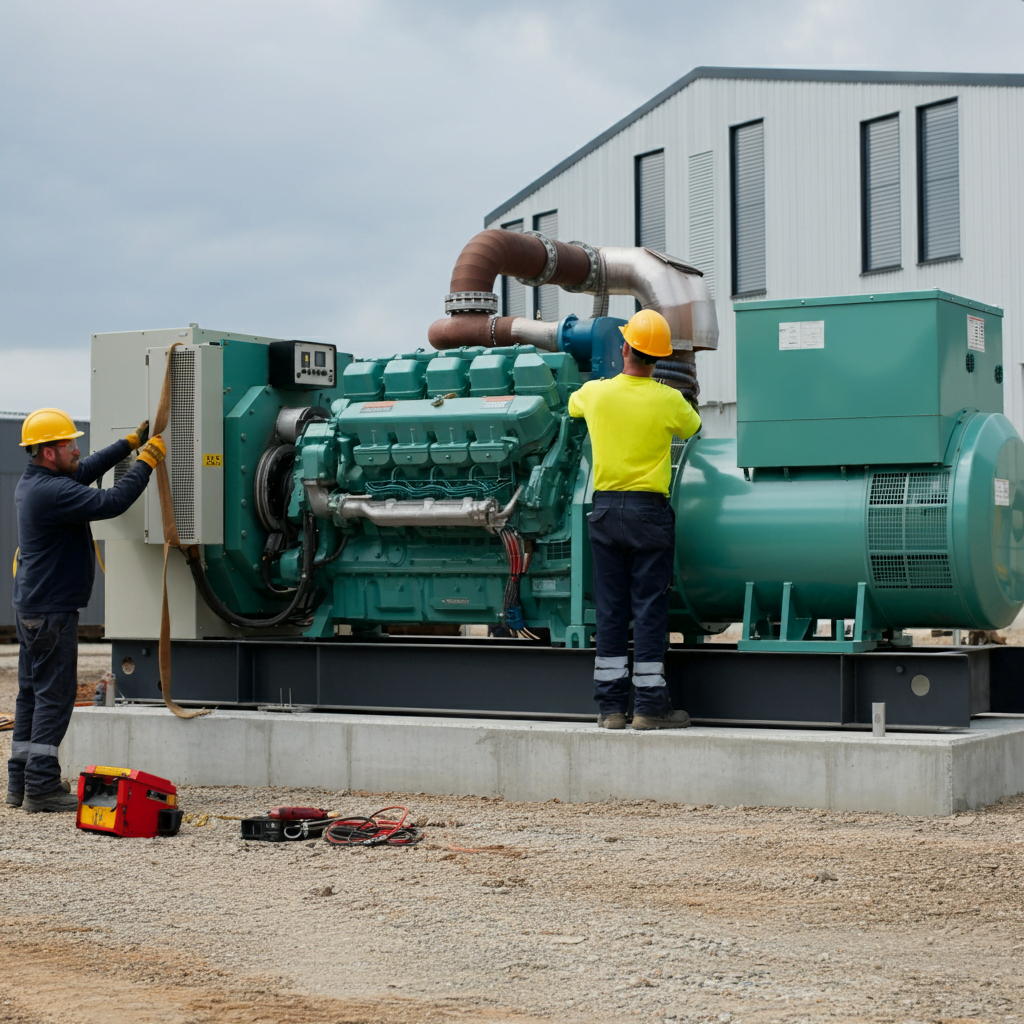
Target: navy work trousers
47, 684
633, 543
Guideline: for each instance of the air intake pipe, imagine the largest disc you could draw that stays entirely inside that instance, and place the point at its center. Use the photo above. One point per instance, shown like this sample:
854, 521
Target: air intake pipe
655, 280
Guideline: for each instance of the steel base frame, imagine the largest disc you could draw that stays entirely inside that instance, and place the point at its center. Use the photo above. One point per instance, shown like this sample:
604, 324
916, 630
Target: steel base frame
922, 688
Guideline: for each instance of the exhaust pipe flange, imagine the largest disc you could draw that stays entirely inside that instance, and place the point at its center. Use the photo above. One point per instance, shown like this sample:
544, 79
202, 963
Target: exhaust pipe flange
550, 268
471, 302
588, 283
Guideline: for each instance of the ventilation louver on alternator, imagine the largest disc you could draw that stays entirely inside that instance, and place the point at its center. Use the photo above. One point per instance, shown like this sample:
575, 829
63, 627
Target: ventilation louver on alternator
907, 537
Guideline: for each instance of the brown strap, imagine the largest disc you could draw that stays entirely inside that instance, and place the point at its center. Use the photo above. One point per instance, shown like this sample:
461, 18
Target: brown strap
171, 540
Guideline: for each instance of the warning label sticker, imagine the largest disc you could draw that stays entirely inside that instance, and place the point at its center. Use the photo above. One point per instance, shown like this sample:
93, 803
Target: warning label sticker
212, 459
976, 333
801, 334
504, 399
1002, 492
377, 406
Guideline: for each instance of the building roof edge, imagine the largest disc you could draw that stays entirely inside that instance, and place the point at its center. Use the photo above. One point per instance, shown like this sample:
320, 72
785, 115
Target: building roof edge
764, 74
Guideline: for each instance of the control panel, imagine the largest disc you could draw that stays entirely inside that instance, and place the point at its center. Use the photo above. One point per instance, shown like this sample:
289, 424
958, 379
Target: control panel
302, 364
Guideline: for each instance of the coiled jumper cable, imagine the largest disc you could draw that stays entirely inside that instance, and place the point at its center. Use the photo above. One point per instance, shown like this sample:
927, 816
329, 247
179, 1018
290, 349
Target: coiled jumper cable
373, 831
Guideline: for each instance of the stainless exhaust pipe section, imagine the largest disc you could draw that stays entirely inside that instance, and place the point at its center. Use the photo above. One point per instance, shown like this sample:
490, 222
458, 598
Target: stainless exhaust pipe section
673, 288
542, 334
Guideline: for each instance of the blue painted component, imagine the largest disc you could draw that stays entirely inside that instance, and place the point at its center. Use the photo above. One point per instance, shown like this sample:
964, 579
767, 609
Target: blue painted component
514, 618
597, 342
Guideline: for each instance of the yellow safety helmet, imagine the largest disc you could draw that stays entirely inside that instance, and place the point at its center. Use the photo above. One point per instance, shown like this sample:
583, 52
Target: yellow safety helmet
46, 425
648, 332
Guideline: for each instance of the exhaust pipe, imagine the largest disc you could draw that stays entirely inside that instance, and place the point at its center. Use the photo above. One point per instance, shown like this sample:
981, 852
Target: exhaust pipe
656, 281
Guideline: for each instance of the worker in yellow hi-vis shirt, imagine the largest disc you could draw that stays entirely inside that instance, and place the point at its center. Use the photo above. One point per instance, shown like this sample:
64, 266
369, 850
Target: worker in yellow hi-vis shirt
632, 419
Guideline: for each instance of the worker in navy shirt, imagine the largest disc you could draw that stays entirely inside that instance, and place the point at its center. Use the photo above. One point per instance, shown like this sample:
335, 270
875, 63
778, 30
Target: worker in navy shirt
53, 580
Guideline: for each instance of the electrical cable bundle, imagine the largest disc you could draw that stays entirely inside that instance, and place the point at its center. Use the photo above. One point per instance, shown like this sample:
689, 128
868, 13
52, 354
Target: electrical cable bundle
519, 564
373, 831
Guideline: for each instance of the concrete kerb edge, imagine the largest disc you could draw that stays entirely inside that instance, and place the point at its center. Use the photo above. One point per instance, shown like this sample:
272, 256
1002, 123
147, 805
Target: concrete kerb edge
903, 773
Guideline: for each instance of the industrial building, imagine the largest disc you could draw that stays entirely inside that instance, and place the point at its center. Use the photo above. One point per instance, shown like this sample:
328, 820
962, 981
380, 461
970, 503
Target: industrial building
12, 465
799, 183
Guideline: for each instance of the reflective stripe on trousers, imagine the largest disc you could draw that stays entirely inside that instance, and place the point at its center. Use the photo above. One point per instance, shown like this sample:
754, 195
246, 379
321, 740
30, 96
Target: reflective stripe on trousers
649, 673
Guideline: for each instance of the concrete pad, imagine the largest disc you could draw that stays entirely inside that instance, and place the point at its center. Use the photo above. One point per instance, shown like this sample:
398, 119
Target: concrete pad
909, 773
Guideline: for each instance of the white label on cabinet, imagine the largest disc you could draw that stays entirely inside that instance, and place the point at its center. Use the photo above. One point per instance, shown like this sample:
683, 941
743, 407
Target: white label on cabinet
976, 333
1002, 492
801, 334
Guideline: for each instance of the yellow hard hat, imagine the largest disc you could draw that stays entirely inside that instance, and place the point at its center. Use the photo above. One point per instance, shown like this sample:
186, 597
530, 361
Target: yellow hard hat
648, 332
45, 425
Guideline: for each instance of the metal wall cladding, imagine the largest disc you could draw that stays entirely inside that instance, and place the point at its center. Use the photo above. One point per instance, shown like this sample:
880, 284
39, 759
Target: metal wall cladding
12, 465
812, 174
545, 298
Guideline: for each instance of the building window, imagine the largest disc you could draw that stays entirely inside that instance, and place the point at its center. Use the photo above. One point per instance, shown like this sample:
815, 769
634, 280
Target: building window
649, 199
938, 182
545, 298
748, 263
513, 294
702, 217
880, 193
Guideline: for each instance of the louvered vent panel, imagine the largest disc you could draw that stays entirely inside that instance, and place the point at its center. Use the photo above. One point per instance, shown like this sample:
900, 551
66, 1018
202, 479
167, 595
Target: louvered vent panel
940, 181
907, 537
702, 217
650, 200
181, 447
748, 209
882, 193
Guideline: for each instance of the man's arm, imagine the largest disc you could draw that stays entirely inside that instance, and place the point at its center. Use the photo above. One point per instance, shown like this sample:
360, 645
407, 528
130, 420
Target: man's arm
577, 403
686, 421
77, 503
94, 466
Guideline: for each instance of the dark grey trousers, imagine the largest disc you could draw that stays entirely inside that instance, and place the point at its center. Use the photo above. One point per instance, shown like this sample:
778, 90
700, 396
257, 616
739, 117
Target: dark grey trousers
47, 684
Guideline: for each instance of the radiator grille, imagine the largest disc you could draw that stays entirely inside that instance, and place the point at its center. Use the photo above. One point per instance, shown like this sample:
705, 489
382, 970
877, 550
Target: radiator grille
907, 530
181, 447
121, 468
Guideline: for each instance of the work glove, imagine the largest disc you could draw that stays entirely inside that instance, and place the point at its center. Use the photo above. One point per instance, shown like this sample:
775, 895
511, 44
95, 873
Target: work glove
138, 437
154, 451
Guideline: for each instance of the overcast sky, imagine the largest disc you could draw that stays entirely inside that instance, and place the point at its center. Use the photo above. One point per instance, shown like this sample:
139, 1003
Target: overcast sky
311, 168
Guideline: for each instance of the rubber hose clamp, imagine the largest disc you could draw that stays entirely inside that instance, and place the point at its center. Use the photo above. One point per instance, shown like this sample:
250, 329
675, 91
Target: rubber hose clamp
549, 268
595, 269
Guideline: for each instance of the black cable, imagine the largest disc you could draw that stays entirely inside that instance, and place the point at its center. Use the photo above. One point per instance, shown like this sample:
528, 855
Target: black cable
220, 609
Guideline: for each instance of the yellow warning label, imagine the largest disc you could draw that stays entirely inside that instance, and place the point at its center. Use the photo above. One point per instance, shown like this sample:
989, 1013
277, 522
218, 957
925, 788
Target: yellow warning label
213, 460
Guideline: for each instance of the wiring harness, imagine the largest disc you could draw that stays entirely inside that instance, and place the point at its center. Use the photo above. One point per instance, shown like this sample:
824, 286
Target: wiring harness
373, 831
519, 564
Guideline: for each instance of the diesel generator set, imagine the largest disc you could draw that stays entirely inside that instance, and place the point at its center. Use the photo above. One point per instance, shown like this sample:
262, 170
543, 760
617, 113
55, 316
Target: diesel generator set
332, 506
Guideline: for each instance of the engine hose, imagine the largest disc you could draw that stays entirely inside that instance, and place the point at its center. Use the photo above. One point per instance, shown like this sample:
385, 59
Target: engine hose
220, 609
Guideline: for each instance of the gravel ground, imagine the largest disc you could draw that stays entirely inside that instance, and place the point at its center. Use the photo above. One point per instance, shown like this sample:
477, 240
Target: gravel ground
514, 912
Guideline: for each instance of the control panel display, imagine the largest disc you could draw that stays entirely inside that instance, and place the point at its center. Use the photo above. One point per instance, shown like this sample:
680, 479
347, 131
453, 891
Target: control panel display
302, 364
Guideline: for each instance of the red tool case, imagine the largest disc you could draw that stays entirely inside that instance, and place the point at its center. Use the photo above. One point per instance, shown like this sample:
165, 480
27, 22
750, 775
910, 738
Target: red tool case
127, 802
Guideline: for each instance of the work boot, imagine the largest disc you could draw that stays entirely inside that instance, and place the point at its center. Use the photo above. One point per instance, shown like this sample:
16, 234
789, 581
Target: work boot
58, 799
16, 797
669, 720
613, 720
